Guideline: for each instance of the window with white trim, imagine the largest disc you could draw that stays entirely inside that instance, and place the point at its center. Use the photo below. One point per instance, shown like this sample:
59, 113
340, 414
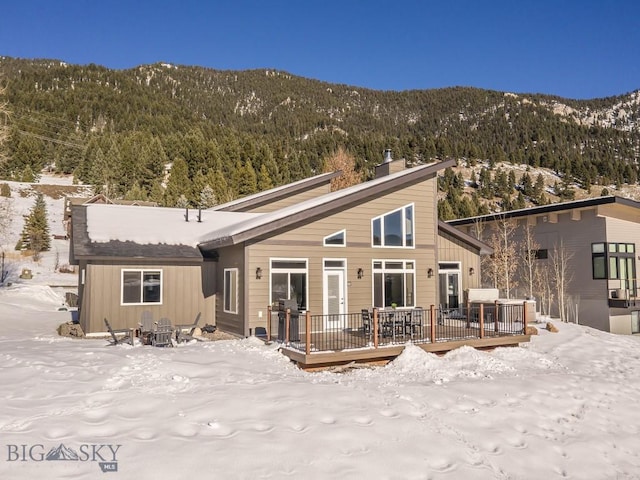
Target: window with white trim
394, 229
338, 239
140, 287
288, 277
394, 283
230, 290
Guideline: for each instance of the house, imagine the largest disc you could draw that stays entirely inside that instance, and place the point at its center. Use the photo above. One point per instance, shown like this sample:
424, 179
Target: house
602, 236
376, 244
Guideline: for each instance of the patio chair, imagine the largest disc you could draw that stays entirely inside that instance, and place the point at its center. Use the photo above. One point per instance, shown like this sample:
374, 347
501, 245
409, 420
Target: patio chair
147, 327
191, 327
115, 340
161, 336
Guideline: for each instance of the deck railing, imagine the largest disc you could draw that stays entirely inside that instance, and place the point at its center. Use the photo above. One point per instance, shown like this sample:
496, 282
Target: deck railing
378, 328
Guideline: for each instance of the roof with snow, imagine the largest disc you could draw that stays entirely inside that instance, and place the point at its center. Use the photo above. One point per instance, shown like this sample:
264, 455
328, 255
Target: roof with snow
155, 232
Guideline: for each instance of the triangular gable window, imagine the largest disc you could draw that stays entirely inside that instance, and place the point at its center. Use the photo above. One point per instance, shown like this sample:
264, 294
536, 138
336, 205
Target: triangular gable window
338, 239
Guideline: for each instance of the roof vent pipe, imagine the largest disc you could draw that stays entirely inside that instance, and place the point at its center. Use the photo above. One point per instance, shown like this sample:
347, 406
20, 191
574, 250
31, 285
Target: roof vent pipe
186, 215
387, 155
199, 213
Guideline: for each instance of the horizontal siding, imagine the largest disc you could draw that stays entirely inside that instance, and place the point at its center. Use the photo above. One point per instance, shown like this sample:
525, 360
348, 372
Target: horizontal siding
306, 242
231, 257
576, 233
182, 297
454, 250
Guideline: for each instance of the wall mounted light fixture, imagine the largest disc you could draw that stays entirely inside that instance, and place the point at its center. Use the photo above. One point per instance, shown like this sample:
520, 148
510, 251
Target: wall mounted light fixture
360, 272
258, 273
430, 272
471, 271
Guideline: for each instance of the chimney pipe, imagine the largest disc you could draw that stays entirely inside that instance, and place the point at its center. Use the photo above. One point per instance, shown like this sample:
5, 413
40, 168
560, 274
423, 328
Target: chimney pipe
199, 213
186, 215
387, 155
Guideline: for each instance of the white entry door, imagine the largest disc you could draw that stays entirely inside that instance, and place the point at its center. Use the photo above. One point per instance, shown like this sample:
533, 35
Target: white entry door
334, 304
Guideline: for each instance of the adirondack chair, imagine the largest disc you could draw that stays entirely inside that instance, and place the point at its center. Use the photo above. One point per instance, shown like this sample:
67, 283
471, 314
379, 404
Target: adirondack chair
190, 328
115, 340
161, 336
147, 327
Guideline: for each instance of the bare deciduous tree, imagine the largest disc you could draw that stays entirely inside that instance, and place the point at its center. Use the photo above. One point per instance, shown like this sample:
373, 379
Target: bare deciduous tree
562, 276
344, 161
529, 263
502, 265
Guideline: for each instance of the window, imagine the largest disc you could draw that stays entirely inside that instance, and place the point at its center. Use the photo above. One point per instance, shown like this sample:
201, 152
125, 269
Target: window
230, 290
338, 239
289, 281
614, 261
395, 229
141, 287
541, 254
394, 283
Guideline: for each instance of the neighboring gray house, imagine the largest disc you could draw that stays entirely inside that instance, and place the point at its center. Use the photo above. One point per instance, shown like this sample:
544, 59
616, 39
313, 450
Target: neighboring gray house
370, 245
603, 234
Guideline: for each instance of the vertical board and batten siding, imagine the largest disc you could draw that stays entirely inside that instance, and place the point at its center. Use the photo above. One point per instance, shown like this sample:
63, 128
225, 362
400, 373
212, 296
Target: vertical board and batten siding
291, 200
182, 296
451, 249
231, 257
306, 242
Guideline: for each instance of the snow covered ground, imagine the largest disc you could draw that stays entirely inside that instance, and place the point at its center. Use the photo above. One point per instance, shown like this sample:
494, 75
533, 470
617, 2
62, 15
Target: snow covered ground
563, 406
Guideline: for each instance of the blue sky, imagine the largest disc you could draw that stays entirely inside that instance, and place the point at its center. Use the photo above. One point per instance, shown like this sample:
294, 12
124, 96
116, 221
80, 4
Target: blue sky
575, 49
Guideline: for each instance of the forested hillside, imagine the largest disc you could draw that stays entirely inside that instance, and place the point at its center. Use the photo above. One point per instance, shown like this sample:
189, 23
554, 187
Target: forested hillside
243, 131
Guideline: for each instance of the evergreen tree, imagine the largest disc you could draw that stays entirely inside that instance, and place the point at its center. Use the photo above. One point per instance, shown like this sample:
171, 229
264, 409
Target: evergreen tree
178, 183
35, 233
208, 197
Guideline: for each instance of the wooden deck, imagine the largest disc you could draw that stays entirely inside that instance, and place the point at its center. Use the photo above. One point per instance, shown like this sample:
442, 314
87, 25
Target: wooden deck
386, 353
381, 337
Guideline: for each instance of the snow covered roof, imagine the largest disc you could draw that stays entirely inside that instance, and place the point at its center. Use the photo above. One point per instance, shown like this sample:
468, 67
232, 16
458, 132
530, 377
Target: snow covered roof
128, 231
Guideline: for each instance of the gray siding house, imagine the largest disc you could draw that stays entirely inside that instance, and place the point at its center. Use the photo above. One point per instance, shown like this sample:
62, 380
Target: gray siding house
603, 236
375, 244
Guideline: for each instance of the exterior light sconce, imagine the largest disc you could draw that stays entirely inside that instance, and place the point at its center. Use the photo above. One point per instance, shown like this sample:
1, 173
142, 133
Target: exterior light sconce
360, 273
430, 272
258, 273
471, 271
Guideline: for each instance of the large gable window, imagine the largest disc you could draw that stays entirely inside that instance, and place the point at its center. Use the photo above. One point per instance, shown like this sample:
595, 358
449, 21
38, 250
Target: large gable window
230, 290
141, 286
394, 229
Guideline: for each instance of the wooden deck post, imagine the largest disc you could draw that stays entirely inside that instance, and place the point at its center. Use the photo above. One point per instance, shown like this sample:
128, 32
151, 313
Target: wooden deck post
287, 320
524, 318
432, 314
375, 328
269, 323
308, 332
497, 315
481, 320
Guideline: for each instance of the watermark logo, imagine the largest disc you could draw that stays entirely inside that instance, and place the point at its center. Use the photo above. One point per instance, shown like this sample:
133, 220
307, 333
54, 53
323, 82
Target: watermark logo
105, 455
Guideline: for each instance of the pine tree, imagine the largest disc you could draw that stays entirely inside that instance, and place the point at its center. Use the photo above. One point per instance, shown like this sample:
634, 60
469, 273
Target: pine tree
35, 233
207, 197
178, 183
